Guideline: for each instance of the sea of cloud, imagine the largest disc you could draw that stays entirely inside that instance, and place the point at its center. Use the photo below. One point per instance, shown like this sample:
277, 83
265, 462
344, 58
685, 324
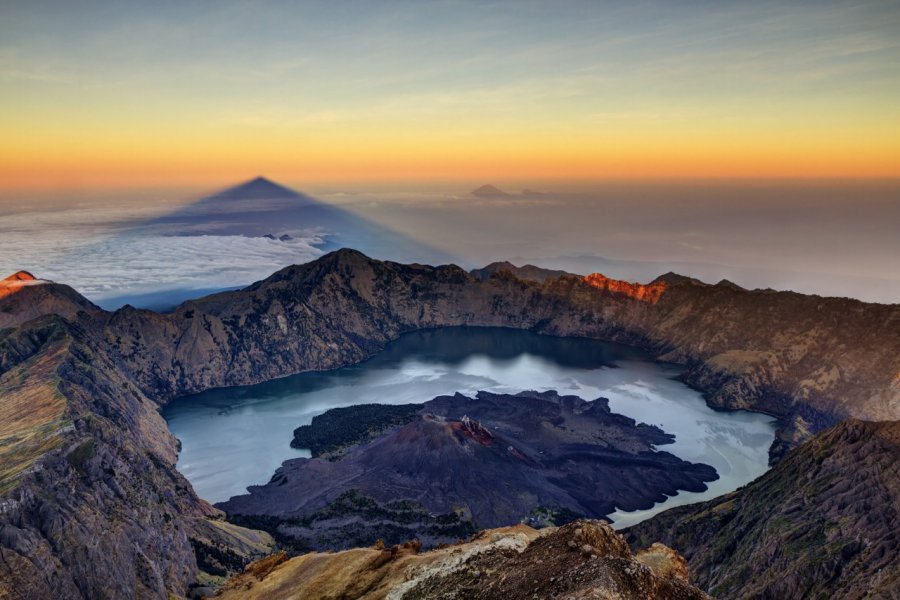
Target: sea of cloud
830, 238
104, 253
827, 238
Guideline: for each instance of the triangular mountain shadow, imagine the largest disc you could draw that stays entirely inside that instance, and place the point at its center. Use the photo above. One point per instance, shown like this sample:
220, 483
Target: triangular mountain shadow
261, 207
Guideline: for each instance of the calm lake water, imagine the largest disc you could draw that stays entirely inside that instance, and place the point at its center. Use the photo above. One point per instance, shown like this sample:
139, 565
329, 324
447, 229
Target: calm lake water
235, 437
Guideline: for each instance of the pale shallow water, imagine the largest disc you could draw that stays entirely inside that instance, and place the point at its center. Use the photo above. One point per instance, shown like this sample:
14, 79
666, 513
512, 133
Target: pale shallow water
235, 437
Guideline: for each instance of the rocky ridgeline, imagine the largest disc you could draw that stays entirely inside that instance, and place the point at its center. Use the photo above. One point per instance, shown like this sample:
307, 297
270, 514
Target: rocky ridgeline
585, 559
808, 360
650, 293
94, 507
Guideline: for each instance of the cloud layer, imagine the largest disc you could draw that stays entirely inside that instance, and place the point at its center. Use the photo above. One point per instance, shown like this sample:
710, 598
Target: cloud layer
94, 251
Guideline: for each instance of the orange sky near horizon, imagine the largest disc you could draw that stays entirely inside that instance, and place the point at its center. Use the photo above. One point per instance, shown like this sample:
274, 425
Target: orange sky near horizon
145, 159
101, 96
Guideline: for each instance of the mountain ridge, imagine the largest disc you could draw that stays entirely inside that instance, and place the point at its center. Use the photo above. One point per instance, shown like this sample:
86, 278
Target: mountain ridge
809, 361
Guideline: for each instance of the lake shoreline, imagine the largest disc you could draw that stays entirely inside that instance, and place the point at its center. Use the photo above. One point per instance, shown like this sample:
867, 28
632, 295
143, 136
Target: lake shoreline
426, 363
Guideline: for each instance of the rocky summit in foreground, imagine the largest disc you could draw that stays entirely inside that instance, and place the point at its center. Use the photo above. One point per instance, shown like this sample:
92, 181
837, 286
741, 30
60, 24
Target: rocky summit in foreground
824, 523
580, 561
460, 464
92, 506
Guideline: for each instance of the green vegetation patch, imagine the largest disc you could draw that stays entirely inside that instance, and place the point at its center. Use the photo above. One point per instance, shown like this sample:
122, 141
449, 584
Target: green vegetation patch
32, 415
81, 454
333, 432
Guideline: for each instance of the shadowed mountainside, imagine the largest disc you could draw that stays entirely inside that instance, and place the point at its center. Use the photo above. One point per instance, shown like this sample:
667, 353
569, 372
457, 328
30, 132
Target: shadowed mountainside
822, 523
92, 506
260, 207
526, 273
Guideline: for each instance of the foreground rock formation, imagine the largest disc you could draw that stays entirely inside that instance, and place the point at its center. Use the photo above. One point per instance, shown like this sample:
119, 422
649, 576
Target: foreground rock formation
822, 523
461, 464
585, 559
92, 506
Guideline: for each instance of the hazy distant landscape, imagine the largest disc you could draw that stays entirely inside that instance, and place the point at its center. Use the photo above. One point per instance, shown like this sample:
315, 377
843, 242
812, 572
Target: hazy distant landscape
833, 239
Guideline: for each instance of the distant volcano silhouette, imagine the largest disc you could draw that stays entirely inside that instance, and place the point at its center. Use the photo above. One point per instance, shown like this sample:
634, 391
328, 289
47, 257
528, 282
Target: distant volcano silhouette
489, 191
261, 207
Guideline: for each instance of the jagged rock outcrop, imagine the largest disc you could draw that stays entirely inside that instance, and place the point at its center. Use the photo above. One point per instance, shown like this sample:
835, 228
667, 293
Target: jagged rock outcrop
821, 524
582, 560
650, 292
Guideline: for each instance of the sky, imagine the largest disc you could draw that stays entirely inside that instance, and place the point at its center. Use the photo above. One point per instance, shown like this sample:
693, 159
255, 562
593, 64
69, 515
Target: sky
102, 94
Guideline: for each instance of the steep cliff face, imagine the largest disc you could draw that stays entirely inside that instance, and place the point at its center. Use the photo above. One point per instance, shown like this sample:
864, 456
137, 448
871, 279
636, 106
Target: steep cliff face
585, 559
822, 523
92, 505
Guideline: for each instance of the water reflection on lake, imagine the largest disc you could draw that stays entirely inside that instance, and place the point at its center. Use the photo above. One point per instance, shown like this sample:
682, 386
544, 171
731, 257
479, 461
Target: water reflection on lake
235, 437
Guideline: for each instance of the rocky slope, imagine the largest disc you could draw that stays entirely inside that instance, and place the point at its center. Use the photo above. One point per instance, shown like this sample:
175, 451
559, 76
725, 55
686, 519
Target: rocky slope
465, 464
821, 524
24, 297
91, 503
585, 559
650, 293
92, 506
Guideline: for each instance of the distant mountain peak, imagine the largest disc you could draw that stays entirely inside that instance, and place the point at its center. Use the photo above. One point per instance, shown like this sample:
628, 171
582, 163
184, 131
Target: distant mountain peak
672, 278
726, 283
529, 272
489, 191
